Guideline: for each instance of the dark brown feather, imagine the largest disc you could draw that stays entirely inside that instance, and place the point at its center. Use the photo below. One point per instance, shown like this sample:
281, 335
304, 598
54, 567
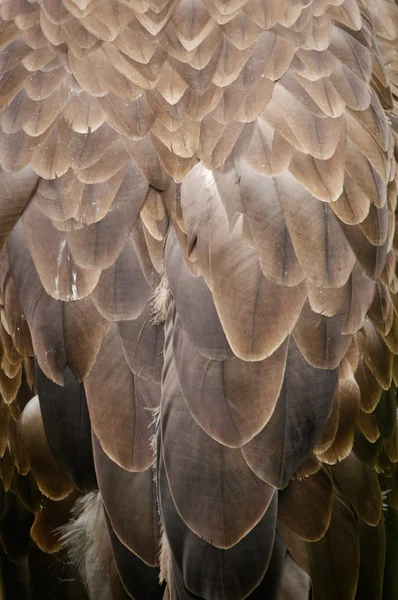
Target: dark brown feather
361, 487
67, 427
136, 528
335, 573
305, 506
297, 422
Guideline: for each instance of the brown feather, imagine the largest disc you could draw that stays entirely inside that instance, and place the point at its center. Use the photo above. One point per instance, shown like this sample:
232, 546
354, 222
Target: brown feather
372, 560
59, 274
276, 452
231, 400
49, 477
367, 423
305, 506
130, 412
347, 408
225, 514
51, 516
361, 487
335, 573
321, 338
208, 336
122, 291
142, 343
136, 528
207, 570
241, 293
38, 308
376, 355
15, 193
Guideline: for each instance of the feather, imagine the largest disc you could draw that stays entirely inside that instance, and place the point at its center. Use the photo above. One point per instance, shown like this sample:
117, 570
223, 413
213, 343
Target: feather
25, 488
353, 299
372, 560
16, 323
324, 179
320, 338
4, 422
84, 329
79, 336
15, 542
334, 574
305, 506
376, 355
270, 234
48, 520
347, 409
17, 150
67, 427
367, 423
59, 198
301, 211
361, 487
92, 246
123, 427
142, 343
231, 400
52, 158
369, 387
207, 336
137, 528
304, 129
7, 468
226, 515
367, 452
15, 193
240, 291
352, 207
297, 422
87, 545
138, 579
211, 572
50, 479
41, 84
295, 583
38, 308
122, 291
63, 279
133, 118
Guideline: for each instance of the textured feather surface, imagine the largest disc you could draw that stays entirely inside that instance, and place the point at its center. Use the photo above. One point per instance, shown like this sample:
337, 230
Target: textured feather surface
197, 223
335, 574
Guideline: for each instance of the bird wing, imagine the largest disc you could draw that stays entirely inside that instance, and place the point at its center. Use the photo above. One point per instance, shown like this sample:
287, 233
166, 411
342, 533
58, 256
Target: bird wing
198, 280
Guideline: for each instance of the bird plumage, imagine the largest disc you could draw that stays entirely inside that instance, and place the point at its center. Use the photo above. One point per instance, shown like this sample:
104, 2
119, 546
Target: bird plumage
198, 286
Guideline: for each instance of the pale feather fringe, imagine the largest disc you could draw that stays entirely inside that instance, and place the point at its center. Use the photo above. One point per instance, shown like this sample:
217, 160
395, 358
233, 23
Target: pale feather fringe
160, 301
164, 552
88, 546
165, 562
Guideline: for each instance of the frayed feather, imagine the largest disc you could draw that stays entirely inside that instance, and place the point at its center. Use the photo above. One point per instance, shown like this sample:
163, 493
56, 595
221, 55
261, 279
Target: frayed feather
88, 545
161, 300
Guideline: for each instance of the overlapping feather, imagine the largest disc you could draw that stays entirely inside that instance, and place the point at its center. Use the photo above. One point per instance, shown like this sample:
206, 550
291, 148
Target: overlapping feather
228, 169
